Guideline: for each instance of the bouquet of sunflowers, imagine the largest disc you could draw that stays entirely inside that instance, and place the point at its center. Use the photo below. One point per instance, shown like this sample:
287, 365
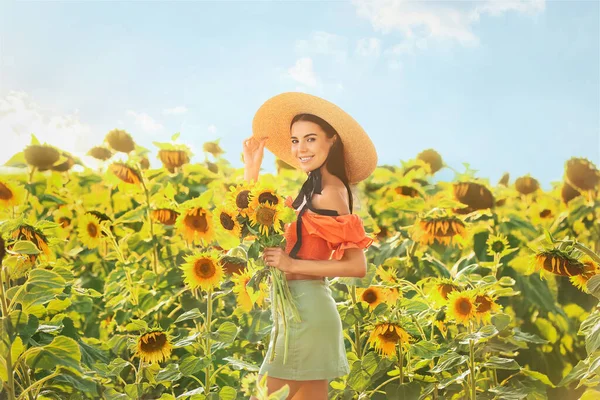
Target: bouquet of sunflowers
261, 216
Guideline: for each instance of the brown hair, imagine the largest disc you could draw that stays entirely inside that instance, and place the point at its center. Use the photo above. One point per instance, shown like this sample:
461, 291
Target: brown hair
336, 163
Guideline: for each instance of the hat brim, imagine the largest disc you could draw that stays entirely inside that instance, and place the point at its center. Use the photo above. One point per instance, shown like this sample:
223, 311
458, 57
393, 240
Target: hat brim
274, 117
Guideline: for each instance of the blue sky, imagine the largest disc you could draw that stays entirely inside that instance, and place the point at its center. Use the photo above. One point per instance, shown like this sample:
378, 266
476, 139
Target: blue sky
503, 85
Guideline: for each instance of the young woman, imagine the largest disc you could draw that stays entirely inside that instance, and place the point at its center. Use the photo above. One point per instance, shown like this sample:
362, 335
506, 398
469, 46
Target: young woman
327, 240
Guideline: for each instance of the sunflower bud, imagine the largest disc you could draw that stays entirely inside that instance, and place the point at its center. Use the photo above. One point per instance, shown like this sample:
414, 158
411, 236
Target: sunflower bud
41, 157
126, 173
144, 163
474, 195
568, 193
100, 153
433, 158
526, 185
504, 180
120, 140
66, 165
172, 159
212, 148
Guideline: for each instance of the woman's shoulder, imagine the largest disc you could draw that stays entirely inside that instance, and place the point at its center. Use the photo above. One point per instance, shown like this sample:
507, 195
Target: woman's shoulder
332, 197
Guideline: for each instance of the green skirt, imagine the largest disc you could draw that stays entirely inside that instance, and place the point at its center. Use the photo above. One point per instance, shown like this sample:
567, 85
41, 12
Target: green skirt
316, 345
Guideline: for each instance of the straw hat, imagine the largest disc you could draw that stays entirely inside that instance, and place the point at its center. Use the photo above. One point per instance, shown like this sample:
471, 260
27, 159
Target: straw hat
274, 117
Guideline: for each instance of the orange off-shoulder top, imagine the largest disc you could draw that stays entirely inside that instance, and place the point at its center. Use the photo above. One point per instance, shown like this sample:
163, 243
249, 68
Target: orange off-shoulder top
326, 236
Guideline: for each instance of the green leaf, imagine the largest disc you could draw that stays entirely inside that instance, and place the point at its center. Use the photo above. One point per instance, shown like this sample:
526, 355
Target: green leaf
115, 367
175, 136
428, 350
17, 161
61, 351
34, 140
170, 374
186, 341
501, 321
485, 333
575, 374
406, 391
239, 364
501, 363
227, 393
592, 342
538, 376
226, 333
137, 325
17, 349
448, 361
24, 247
192, 314
593, 286
192, 364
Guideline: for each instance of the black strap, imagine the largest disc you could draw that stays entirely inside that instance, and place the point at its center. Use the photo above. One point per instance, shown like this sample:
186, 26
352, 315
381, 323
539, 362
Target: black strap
312, 185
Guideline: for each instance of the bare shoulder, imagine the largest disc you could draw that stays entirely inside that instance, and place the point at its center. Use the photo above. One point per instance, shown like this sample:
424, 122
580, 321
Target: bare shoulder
334, 196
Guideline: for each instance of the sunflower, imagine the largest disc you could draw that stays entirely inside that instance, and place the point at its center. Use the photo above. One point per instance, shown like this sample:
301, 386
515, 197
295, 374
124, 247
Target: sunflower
120, 140
386, 335
239, 198
407, 191
144, 163
28, 232
526, 185
590, 269
203, 270
266, 217
172, 159
40, 156
213, 148
389, 276
440, 322
476, 196
485, 305
504, 180
558, 262
126, 173
90, 232
582, 174
227, 220
568, 193
233, 265
196, 223
444, 230
249, 384
165, 216
461, 307
433, 158
372, 295
100, 153
154, 346
65, 165
10, 194
262, 194
246, 297
498, 244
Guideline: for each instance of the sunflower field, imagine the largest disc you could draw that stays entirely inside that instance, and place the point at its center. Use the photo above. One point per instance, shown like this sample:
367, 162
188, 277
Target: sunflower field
127, 282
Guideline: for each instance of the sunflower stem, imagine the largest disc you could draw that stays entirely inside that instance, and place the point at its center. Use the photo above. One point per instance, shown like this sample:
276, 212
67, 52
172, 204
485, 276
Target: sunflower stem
138, 379
29, 182
208, 342
357, 347
154, 251
472, 364
9, 365
401, 363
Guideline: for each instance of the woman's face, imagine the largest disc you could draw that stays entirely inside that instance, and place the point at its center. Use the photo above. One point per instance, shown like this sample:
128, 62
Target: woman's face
310, 145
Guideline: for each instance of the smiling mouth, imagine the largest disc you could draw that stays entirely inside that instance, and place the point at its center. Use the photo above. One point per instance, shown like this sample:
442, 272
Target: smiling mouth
305, 159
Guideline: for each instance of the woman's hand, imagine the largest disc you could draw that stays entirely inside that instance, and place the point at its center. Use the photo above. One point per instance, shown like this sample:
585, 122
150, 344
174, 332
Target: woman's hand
253, 152
276, 257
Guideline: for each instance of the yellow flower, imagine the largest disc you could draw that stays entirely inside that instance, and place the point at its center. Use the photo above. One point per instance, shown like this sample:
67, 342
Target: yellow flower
245, 296
266, 218
172, 159
239, 198
558, 262
461, 307
485, 305
440, 290
120, 140
372, 295
590, 269
90, 232
227, 220
126, 173
443, 230
249, 384
262, 194
154, 346
203, 270
10, 194
497, 244
28, 232
100, 153
389, 276
165, 216
196, 223
385, 336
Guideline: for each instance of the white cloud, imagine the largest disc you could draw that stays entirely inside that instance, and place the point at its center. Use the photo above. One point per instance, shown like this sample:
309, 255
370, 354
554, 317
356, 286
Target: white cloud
438, 20
303, 72
20, 116
368, 47
175, 110
407, 46
146, 122
324, 43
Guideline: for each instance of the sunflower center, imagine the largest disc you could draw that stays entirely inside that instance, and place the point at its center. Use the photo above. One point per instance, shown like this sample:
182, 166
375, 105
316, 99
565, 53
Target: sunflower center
390, 335
92, 229
152, 342
265, 216
270, 197
197, 222
226, 221
498, 247
204, 269
445, 289
64, 221
370, 296
242, 199
463, 306
484, 304
545, 213
5, 192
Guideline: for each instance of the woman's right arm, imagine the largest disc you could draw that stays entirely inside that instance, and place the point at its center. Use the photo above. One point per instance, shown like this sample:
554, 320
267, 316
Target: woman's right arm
253, 155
